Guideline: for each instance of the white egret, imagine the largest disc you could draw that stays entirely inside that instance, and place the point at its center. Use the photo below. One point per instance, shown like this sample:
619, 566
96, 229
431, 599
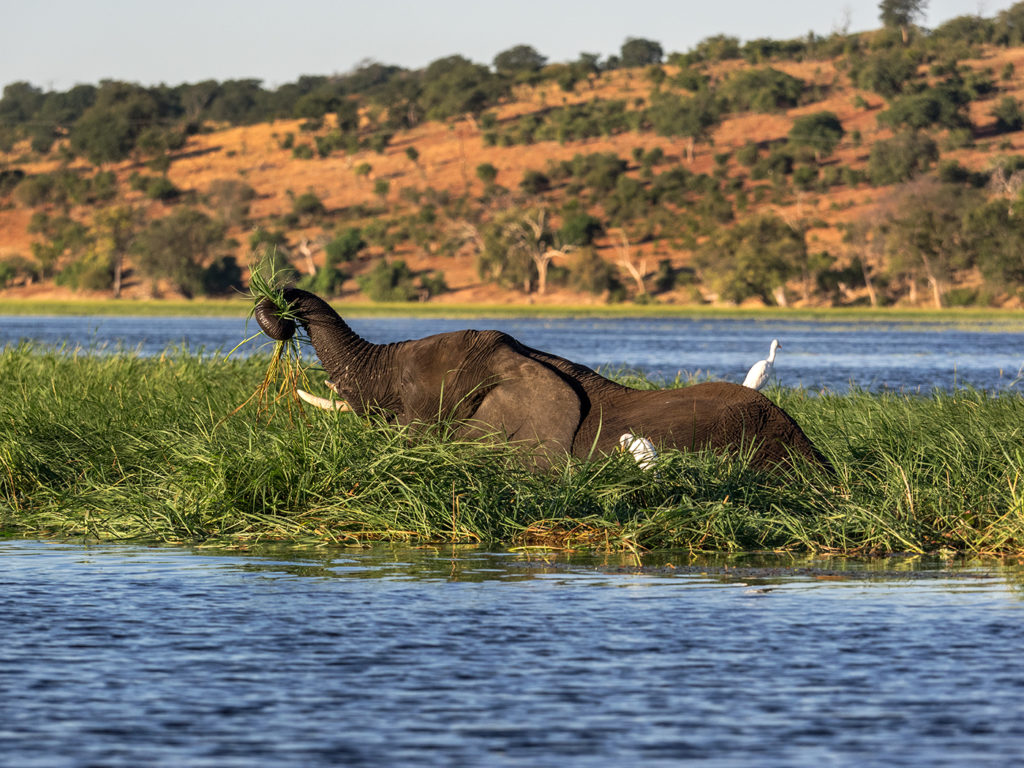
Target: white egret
642, 449
761, 371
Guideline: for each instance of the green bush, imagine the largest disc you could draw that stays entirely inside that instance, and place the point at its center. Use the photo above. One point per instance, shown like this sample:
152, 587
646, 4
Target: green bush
599, 171
748, 154
805, 177
887, 72
579, 228
487, 173
91, 272
308, 205
177, 247
820, 132
1008, 115
160, 187
753, 258
389, 281
231, 199
222, 276
535, 182
589, 272
941, 106
17, 268
901, 158
762, 90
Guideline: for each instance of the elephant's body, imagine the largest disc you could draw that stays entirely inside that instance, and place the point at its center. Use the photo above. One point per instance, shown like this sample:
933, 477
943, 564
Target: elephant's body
487, 383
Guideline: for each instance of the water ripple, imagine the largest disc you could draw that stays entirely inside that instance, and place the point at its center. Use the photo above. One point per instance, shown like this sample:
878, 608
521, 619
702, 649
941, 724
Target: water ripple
127, 656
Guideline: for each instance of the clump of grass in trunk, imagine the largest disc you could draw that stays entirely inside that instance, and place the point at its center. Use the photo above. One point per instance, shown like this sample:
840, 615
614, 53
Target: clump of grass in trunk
130, 447
286, 369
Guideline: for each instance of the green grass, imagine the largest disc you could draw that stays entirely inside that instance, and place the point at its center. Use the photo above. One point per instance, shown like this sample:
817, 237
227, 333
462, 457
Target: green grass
157, 449
242, 305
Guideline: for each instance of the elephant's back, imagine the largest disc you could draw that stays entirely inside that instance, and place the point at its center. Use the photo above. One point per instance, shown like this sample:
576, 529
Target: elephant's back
717, 415
778, 433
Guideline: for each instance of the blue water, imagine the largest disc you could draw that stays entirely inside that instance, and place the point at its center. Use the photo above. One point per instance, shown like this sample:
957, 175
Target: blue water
132, 656
814, 354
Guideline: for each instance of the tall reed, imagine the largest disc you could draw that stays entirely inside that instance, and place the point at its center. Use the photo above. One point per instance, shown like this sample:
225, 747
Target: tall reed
129, 447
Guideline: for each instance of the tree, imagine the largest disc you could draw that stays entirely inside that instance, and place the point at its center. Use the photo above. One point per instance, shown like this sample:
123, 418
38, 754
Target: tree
922, 233
589, 272
762, 90
943, 105
692, 117
20, 102
820, 132
754, 258
389, 281
901, 14
109, 130
886, 72
625, 254
178, 247
231, 199
521, 59
638, 52
487, 173
455, 86
994, 235
513, 247
901, 158
64, 238
116, 231
527, 235
1008, 115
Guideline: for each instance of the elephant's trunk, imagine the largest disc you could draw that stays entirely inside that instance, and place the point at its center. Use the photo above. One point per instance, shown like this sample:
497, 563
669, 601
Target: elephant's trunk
343, 353
276, 327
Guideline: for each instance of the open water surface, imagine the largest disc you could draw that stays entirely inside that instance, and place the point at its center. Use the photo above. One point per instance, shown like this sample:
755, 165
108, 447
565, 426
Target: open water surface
815, 354
129, 656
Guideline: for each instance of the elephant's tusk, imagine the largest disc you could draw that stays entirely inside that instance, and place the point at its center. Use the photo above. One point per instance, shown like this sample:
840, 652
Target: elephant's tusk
323, 402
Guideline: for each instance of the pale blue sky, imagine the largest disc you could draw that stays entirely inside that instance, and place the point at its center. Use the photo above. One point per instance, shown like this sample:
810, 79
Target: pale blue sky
55, 44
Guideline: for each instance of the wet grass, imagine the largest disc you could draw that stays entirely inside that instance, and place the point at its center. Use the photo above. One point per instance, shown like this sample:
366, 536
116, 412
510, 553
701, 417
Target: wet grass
157, 449
241, 305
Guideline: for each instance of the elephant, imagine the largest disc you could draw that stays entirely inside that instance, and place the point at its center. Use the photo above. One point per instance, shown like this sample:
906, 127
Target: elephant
488, 385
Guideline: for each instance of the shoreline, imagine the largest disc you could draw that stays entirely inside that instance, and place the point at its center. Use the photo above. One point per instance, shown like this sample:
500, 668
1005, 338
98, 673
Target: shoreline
241, 306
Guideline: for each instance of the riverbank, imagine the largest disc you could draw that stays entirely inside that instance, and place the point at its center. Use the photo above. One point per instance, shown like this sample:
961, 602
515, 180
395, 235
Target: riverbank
241, 306
122, 447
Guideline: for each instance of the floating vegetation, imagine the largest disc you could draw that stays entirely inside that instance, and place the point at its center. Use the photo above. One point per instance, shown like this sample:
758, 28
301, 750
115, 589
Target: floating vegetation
120, 447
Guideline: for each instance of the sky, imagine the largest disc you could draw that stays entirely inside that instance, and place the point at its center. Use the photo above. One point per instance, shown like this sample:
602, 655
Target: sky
56, 44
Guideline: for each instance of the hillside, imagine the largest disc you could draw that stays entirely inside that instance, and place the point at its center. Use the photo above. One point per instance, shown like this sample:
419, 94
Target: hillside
422, 197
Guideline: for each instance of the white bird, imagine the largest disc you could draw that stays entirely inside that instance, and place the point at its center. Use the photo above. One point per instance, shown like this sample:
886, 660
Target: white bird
642, 449
761, 371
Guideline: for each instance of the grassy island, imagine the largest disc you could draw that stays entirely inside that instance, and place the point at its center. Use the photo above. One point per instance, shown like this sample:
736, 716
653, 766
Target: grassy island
125, 447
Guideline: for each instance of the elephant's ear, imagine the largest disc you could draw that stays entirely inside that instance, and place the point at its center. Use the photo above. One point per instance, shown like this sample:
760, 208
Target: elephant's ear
531, 404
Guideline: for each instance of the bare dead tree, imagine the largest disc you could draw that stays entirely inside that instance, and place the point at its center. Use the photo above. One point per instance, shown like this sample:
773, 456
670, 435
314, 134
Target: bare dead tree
307, 254
625, 257
526, 234
465, 236
1006, 185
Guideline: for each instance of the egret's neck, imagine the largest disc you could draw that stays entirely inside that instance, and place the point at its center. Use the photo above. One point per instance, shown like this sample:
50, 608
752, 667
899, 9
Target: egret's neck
771, 353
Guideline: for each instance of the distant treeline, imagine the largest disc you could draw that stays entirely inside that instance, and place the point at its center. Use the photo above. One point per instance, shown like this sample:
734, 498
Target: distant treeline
110, 121
938, 231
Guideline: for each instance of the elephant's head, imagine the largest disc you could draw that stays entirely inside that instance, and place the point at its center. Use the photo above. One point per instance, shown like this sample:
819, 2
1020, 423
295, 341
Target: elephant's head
357, 369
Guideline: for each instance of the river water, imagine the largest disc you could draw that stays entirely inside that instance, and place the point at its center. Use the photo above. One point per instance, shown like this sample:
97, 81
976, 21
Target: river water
119, 655
815, 354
